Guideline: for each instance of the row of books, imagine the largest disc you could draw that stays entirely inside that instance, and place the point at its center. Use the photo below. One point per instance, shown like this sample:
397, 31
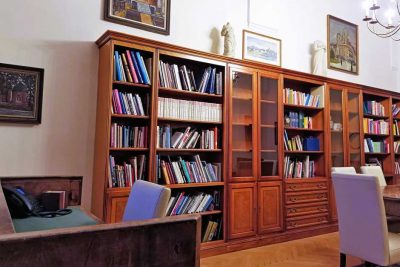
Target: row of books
127, 103
396, 168
396, 145
298, 168
128, 136
126, 174
395, 110
396, 128
189, 170
375, 126
129, 66
298, 143
213, 230
298, 120
184, 203
293, 97
182, 78
371, 146
189, 110
186, 138
373, 108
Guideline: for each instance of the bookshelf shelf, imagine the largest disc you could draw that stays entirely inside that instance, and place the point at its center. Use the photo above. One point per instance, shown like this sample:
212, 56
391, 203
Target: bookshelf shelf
210, 212
196, 95
267, 126
196, 150
303, 152
242, 124
188, 121
376, 154
240, 98
124, 116
129, 149
300, 107
303, 129
268, 102
370, 116
268, 150
193, 185
376, 135
242, 150
133, 85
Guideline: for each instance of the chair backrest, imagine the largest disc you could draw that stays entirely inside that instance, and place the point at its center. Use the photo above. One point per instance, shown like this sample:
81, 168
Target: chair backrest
375, 171
362, 221
344, 170
146, 201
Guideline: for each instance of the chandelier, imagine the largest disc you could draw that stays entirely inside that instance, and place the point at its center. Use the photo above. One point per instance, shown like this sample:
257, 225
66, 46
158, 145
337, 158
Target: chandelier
385, 25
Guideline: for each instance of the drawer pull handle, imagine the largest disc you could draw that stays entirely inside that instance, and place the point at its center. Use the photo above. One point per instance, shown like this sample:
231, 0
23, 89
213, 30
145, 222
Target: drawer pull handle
321, 196
292, 187
292, 210
321, 209
320, 186
293, 199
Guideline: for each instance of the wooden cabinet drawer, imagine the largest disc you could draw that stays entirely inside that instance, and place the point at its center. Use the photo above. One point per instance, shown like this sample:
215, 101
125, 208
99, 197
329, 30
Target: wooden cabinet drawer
305, 221
306, 186
306, 209
306, 197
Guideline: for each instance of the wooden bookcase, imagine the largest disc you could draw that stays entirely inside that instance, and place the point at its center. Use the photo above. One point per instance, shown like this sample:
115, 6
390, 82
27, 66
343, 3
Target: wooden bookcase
258, 204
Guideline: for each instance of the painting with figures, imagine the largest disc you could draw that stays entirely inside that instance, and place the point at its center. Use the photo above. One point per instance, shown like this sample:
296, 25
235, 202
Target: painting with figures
20, 93
261, 48
343, 45
151, 15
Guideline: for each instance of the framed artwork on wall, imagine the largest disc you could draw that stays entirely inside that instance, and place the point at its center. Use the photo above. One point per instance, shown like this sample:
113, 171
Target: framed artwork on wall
343, 45
21, 90
149, 15
261, 48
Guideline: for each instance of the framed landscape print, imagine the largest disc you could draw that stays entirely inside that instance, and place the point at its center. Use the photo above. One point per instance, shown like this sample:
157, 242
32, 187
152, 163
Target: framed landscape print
261, 48
20, 93
150, 15
343, 45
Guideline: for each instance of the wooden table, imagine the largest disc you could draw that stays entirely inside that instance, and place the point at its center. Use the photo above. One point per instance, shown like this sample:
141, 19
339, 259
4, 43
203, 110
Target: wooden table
391, 196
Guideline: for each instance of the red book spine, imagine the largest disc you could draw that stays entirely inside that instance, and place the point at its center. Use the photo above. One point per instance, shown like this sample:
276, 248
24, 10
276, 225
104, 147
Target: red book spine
216, 137
134, 75
117, 101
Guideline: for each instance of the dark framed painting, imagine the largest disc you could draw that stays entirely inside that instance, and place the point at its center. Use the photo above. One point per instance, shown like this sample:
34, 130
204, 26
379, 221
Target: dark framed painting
343, 45
21, 90
149, 15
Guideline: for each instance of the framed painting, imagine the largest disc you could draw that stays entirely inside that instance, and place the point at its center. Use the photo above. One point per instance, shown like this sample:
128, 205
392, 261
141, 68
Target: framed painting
343, 45
21, 90
261, 48
149, 15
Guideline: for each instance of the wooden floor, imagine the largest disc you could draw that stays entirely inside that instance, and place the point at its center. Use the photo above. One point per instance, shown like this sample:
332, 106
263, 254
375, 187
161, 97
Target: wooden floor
319, 251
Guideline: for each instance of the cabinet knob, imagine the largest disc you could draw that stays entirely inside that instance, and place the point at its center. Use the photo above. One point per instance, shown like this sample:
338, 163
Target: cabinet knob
292, 187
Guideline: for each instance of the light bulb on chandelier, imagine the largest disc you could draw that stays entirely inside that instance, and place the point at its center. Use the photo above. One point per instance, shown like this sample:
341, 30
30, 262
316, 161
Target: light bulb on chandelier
385, 28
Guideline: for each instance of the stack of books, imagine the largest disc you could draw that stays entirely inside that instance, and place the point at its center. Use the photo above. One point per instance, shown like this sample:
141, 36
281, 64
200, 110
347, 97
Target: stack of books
298, 120
184, 203
186, 138
375, 126
127, 103
395, 110
396, 129
126, 174
191, 170
213, 230
182, 78
129, 66
293, 144
296, 168
189, 110
293, 97
371, 146
128, 136
374, 108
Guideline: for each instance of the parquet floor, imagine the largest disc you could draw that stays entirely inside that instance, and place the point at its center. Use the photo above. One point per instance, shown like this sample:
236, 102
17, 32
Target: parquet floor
319, 251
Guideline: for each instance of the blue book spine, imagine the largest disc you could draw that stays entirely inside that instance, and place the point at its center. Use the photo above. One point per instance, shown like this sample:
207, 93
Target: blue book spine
136, 66
181, 205
142, 71
207, 205
121, 100
117, 66
168, 135
212, 82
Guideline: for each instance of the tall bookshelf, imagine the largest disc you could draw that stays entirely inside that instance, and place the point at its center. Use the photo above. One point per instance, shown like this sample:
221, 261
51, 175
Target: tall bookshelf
396, 137
377, 132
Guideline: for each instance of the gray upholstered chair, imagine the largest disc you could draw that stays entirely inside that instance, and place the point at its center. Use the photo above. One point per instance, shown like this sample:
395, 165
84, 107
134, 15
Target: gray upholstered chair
375, 171
344, 170
146, 201
362, 221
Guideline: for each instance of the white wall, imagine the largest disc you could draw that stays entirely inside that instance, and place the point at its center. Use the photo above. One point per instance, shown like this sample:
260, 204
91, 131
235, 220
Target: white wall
59, 37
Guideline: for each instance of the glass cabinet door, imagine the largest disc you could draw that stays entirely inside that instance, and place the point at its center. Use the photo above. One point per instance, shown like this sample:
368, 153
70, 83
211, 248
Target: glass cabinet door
268, 108
336, 128
353, 120
242, 120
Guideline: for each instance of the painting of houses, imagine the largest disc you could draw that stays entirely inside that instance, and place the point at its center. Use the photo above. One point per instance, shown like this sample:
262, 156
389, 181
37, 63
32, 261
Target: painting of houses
20, 93
152, 15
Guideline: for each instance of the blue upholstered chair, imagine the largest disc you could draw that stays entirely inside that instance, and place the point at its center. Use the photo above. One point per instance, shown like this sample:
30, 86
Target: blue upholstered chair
146, 201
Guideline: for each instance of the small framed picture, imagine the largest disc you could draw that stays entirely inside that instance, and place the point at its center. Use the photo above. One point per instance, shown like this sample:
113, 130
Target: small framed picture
343, 45
261, 48
151, 15
21, 90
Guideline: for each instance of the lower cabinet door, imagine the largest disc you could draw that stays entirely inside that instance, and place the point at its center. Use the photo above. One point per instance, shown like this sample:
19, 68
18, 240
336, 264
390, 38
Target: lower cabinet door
270, 211
242, 210
117, 209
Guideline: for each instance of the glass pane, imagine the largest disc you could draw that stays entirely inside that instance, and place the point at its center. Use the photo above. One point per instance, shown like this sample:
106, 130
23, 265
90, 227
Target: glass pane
269, 164
268, 138
242, 85
242, 164
269, 88
354, 130
241, 137
336, 124
268, 114
242, 111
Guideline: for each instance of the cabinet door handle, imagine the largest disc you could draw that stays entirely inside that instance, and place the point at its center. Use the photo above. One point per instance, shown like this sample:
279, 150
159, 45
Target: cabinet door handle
320, 186
292, 187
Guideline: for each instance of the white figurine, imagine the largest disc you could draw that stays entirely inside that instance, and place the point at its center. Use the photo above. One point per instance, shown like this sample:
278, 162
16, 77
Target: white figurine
319, 59
229, 43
